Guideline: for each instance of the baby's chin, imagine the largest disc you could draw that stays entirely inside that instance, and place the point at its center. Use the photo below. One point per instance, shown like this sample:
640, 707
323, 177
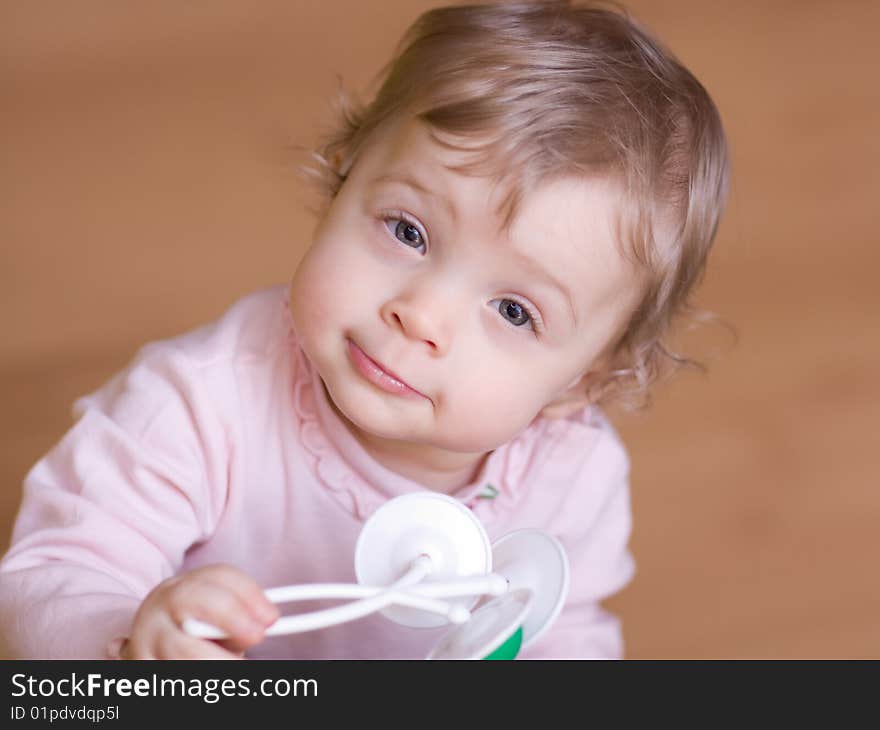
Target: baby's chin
374, 415
414, 423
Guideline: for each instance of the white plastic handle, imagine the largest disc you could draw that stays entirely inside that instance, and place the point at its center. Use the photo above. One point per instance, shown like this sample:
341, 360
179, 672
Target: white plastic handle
370, 600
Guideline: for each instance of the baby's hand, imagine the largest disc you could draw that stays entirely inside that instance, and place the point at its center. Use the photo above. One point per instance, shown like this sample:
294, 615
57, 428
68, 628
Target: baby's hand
217, 594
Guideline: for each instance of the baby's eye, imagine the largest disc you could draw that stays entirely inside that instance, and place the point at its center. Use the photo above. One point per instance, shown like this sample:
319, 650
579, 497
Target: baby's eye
514, 312
406, 232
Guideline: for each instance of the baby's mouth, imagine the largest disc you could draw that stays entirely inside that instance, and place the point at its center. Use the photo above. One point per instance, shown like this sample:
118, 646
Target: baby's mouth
379, 375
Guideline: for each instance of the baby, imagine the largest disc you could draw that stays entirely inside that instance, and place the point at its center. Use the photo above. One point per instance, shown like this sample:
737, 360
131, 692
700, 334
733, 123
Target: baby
511, 226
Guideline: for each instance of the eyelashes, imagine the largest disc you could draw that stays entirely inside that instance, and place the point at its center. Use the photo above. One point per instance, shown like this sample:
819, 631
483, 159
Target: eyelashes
517, 313
405, 230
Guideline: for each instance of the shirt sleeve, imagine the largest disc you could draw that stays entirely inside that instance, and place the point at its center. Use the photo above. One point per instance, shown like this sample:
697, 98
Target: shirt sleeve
595, 524
110, 511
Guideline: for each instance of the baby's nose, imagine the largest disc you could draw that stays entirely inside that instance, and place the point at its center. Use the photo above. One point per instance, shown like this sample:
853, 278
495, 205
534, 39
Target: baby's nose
420, 318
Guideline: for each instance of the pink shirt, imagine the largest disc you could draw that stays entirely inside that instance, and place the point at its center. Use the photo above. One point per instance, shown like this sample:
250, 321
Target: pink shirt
220, 446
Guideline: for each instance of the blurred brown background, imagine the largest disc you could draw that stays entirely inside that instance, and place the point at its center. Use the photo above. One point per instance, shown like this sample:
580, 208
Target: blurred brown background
148, 180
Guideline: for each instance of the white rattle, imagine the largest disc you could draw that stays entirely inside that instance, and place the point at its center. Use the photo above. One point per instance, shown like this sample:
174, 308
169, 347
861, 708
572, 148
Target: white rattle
424, 560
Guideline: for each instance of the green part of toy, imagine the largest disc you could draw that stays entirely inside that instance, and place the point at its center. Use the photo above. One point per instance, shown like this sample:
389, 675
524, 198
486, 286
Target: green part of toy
510, 648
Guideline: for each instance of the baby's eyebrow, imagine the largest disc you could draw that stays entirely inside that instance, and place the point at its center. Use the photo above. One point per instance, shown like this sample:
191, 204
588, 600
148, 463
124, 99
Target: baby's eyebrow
411, 181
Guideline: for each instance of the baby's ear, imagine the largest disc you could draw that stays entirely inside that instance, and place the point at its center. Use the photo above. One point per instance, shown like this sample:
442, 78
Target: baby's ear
581, 393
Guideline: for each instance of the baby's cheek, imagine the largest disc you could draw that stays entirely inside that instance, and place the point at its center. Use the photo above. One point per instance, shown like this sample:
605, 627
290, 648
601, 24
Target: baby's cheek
314, 289
488, 417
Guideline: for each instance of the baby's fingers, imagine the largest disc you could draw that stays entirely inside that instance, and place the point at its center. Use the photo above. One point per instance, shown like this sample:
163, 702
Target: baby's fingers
183, 646
223, 609
245, 589
218, 595
169, 642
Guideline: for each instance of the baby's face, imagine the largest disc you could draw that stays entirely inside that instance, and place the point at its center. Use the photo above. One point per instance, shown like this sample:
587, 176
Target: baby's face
429, 324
